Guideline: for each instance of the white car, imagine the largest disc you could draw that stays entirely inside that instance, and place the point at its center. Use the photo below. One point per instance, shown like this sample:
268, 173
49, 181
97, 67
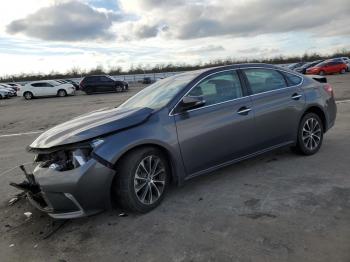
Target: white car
4, 94
14, 86
45, 88
11, 91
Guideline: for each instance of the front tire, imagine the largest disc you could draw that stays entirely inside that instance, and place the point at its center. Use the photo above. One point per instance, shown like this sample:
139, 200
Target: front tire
322, 73
343, 71
118, 89
310, 134
61, 93
28, 95
141, 180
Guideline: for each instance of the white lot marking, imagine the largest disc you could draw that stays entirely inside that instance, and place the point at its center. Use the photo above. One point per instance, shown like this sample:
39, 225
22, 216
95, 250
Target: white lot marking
21, 134
343, 101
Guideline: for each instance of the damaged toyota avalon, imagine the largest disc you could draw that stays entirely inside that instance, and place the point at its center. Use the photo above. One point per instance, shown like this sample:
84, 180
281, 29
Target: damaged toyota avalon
178, 128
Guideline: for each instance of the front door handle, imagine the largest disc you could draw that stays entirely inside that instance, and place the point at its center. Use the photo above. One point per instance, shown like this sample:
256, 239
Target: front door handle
244, 110
296, 96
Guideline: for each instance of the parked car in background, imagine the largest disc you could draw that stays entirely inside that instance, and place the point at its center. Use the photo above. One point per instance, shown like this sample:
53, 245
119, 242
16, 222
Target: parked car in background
68, 81
46, 88
102, 84
4, 93
11, 91
306, 66
14, 86
147, 80
346, 60
178, 128
296, 65
327, 67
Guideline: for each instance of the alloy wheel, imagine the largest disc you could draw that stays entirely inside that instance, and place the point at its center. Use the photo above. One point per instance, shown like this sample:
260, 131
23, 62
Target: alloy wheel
149, 180
28, 96
311, 134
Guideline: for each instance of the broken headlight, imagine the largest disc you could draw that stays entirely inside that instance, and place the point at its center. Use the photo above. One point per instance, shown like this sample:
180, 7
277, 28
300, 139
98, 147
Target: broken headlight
64, 160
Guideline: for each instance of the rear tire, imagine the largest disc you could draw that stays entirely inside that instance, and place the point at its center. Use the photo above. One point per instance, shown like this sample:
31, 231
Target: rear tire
118, 89
28, 95
310, 135
88, 91
61, 93
322, 73
141, 181
343, 71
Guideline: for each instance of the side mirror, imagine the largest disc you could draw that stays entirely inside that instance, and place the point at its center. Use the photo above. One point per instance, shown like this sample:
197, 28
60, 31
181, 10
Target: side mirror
192, 102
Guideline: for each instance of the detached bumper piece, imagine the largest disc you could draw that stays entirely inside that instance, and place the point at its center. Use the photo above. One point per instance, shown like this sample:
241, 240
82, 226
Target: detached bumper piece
66, 206
75, 193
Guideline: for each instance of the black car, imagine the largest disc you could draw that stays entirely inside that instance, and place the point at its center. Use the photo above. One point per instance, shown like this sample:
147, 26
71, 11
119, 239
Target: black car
296, 65
147, 80
102, 83
306, 66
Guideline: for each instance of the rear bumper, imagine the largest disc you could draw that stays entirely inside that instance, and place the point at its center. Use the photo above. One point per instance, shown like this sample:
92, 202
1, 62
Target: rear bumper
331, 112
75, 193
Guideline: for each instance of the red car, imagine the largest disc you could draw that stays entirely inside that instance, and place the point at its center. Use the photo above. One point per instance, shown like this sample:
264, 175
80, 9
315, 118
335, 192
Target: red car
327, 67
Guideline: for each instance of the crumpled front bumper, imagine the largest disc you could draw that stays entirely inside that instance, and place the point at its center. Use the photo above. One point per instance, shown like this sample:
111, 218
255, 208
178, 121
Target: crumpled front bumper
75, 193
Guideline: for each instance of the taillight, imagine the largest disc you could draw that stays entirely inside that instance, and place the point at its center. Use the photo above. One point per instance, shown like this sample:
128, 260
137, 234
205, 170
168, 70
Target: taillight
329, 89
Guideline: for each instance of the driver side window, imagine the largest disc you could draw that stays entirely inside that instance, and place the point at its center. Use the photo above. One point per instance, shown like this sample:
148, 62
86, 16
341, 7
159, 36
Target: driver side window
219, 88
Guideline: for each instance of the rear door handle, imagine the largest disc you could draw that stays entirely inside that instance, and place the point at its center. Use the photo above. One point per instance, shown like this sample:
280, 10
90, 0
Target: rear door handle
244, 110
296, 96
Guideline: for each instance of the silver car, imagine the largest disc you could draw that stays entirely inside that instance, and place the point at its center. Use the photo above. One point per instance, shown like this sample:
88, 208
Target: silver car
175, 129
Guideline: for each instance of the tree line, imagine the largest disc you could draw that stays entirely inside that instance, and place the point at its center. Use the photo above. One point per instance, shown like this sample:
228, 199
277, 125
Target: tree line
168, 67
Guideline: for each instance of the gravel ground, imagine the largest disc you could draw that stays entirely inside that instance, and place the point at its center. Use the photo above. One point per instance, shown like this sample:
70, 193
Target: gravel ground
276, 207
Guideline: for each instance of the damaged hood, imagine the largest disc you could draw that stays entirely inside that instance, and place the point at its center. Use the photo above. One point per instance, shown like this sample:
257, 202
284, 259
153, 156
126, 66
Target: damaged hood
91, 125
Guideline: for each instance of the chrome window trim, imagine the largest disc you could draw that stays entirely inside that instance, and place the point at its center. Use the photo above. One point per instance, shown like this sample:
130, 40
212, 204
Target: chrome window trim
195, 85
284, 88
235, 69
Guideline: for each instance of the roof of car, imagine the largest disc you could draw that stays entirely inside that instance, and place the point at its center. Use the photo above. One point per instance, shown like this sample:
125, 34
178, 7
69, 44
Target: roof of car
232, 66
97, 75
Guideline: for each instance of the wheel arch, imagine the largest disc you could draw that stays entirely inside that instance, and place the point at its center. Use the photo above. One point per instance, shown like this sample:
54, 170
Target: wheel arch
173, 175
28, 91
318, 111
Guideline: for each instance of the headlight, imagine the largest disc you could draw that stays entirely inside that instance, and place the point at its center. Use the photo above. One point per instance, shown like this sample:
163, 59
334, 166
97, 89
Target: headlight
70, 158
65, 159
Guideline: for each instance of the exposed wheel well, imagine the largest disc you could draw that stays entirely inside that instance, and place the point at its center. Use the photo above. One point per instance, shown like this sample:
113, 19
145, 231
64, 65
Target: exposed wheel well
166, 154
318, 111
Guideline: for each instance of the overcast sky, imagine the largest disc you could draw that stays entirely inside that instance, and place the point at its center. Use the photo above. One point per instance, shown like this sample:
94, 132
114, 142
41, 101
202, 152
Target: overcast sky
46, 35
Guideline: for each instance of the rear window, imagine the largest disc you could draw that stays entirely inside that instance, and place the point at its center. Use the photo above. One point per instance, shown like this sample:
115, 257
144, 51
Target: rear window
264, 80
292, 79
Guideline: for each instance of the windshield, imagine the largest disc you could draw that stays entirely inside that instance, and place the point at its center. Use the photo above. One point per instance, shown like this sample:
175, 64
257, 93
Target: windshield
160, 93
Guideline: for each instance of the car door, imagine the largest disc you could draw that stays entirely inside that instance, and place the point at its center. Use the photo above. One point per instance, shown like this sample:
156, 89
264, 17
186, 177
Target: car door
107, 84
51, 89
330, 67
278, 101
47, 89
37, 89
219, 131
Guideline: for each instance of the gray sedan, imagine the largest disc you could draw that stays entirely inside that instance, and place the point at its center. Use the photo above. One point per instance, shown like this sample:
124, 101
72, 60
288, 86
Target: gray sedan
176, 129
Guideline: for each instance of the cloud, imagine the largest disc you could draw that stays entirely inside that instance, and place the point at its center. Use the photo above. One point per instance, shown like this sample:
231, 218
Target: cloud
193, 19
67, 21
